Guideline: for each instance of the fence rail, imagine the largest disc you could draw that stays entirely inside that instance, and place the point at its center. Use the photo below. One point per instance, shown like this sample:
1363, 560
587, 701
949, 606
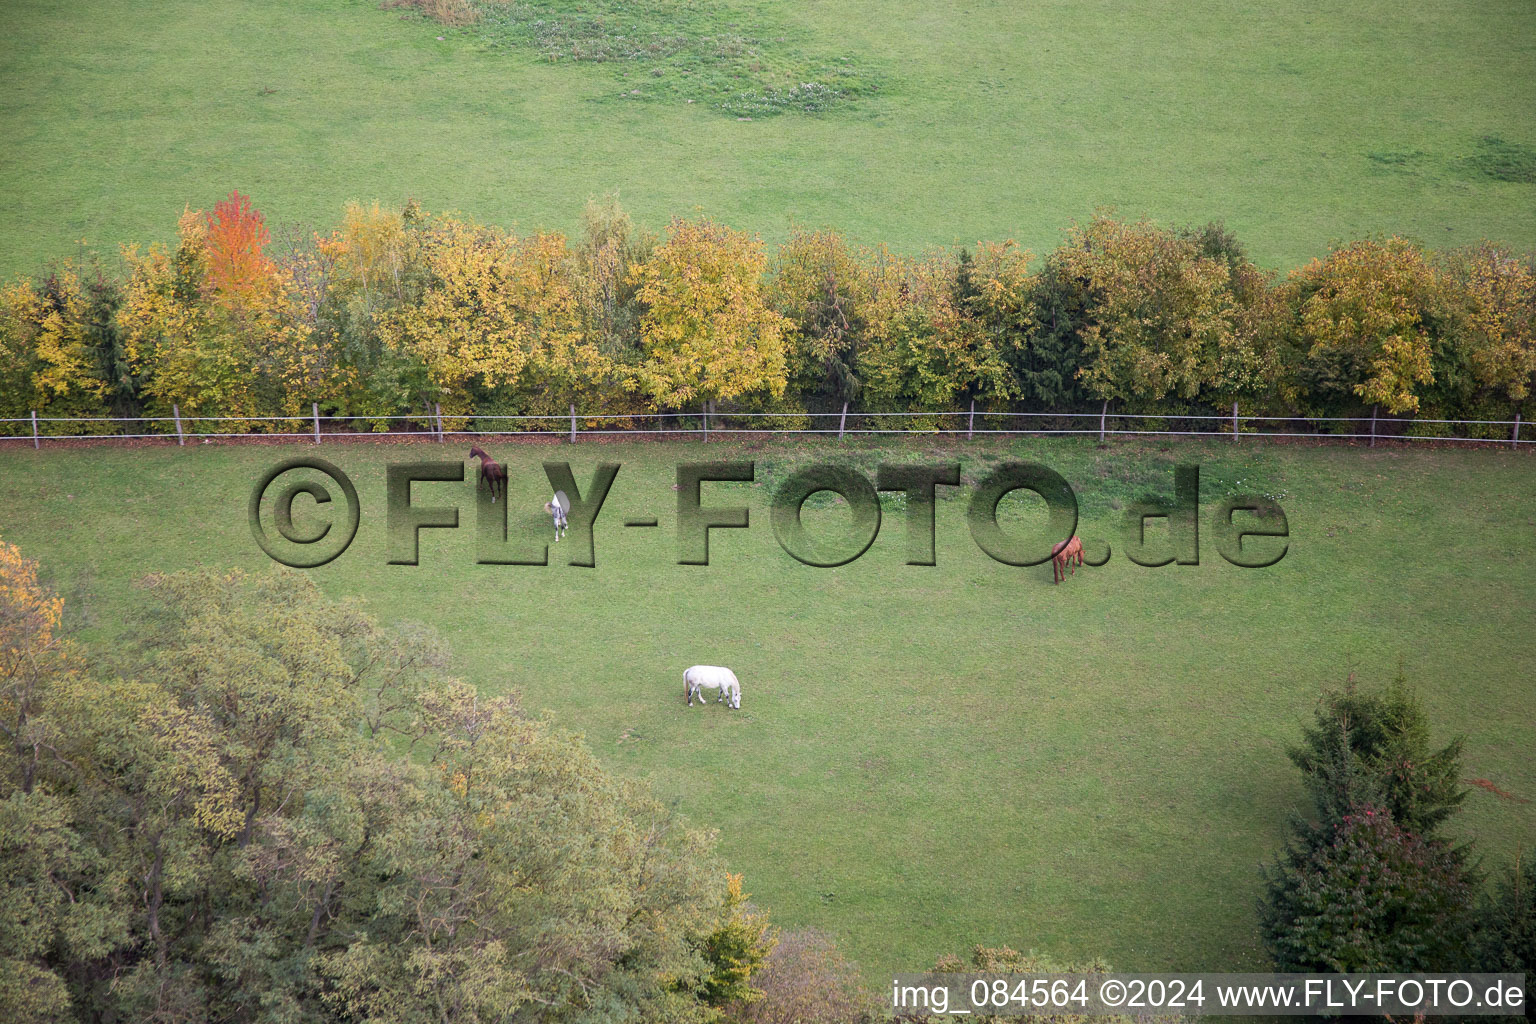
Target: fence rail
708, 421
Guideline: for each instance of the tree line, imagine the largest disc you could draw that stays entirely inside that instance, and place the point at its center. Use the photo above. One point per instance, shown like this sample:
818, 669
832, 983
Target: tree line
395, 311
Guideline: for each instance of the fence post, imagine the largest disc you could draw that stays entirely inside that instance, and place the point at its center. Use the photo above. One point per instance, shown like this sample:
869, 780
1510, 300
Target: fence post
176, 411
573, 423
315, 406
1373, 427
1234, 421
1103, 415
704, 419
1514, 438
843, 422
438, 409
970, 428
35, 442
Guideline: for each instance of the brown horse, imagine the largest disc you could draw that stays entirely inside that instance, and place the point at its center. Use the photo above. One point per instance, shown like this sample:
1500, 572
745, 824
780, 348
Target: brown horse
1062, 555
493, 475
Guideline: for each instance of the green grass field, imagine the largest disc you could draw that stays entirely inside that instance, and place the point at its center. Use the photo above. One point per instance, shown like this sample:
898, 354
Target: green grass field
926, 757
1297, 124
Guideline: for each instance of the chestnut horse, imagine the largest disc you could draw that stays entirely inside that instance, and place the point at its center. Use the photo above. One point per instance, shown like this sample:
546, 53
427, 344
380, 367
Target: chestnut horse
1062, 555
495, 476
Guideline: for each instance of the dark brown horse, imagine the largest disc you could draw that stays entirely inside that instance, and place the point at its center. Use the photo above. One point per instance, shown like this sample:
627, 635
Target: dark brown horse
494, 476
1062, 555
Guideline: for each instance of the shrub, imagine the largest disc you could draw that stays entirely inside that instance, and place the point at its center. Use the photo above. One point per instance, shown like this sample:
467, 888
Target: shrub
806, 980
453, 13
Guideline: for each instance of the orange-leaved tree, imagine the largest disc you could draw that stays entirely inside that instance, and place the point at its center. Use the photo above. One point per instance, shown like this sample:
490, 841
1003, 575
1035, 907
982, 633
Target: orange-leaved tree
236, 235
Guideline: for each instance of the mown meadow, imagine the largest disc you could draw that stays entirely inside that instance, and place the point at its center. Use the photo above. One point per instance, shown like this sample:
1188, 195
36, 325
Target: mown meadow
926, 757
928, 125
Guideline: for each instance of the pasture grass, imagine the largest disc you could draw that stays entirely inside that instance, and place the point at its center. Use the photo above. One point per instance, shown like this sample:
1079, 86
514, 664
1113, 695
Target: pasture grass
926, 757
1297, 124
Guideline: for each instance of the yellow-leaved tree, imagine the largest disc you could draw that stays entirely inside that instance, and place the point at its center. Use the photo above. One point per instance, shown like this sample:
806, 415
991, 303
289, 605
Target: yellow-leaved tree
946, 330
175, 340
706, 333
994, 298
1493, 300
913, 356
45, 348
497, 324
1360, 315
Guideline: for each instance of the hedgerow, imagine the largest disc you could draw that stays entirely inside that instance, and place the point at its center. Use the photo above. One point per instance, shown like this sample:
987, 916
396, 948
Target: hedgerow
396, 311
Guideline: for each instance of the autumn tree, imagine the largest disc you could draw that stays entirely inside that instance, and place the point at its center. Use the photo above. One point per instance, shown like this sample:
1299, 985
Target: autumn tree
706, 333
737, 949
212, 327
994, 302
917, 357
1361, 331
1159, 311
496, 319
1491, 318
1248, 357
372, 249
236, 235
820, 285
356, 278
34, 661
44, 351
610, 250
226, 827
176, 340
47, 900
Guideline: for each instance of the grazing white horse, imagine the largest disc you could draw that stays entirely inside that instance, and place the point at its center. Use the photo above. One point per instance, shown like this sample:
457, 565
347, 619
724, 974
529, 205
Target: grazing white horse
712, 677
556, 508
